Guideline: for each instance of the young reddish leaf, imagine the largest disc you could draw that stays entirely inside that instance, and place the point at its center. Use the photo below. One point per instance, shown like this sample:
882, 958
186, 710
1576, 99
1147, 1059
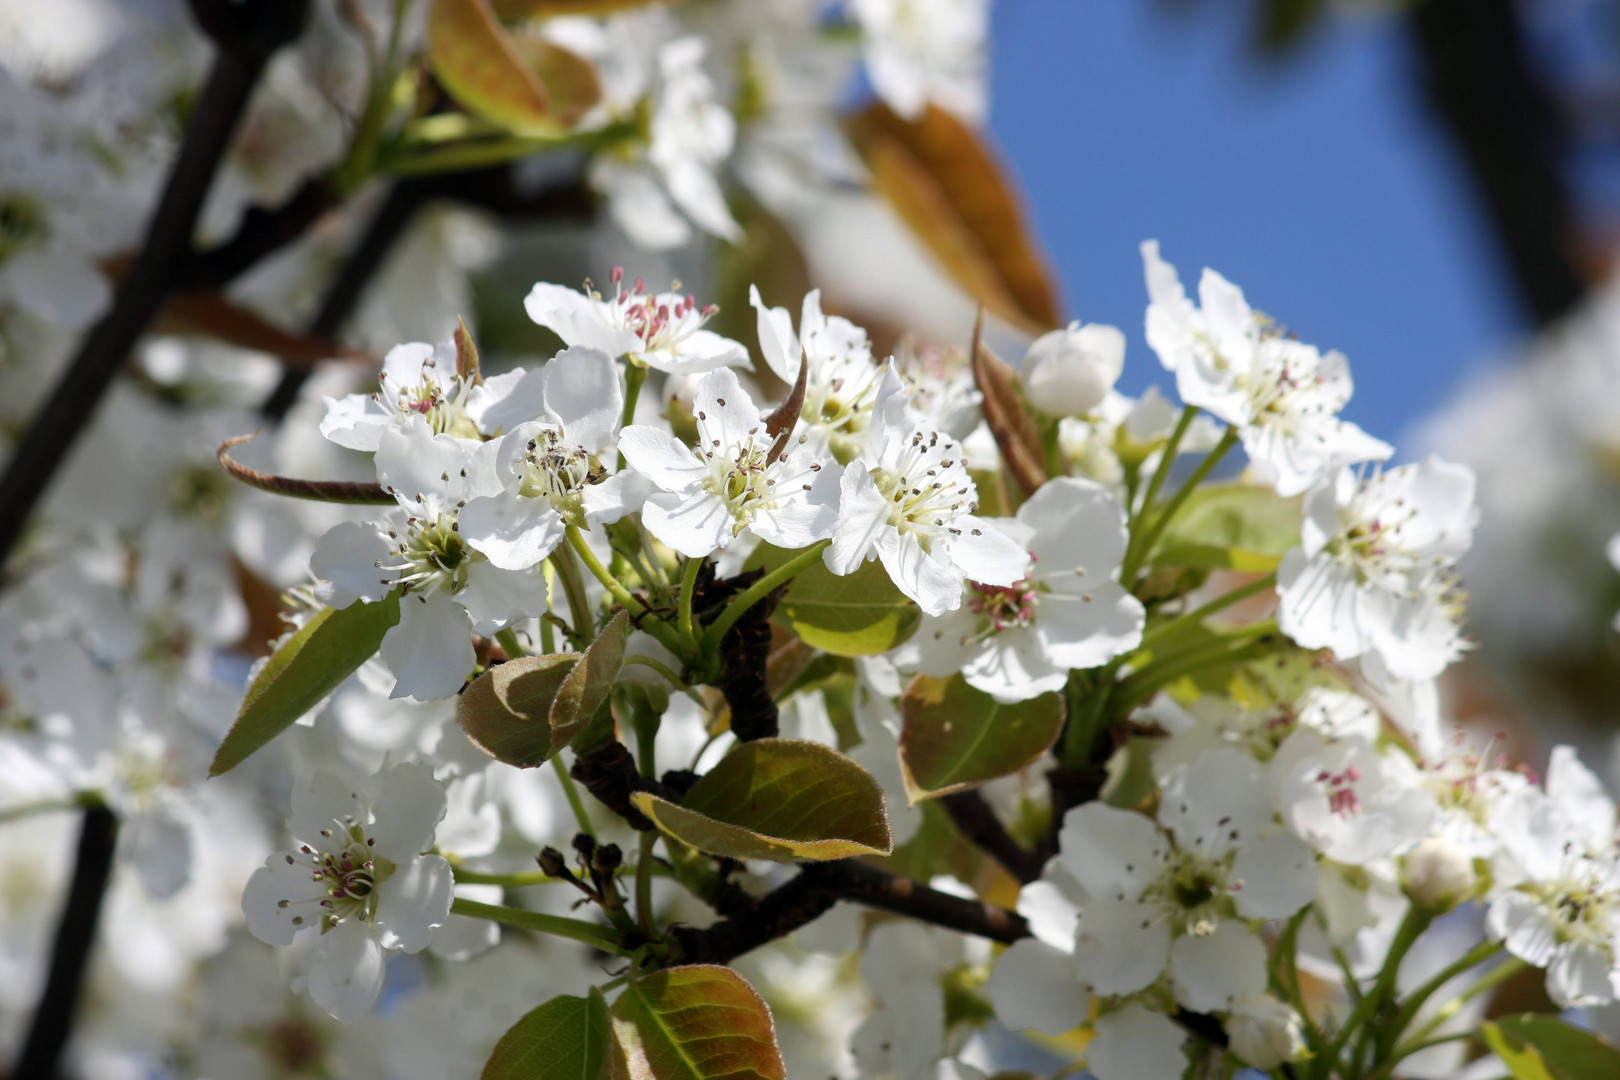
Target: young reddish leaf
782, 419
571, 82
778, 799
944, 181
502, 78
567, 1038
698, 1022
466, 353
955, 737
1004, 414
305, 668
514, 10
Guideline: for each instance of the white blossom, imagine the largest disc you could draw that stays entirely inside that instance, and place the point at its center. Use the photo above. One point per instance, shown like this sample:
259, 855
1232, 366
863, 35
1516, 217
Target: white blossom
1070, 372
661, 330
922, 51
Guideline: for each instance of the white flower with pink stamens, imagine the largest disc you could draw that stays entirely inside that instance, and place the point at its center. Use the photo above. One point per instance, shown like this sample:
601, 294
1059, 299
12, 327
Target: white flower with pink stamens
661, 330
1018, 641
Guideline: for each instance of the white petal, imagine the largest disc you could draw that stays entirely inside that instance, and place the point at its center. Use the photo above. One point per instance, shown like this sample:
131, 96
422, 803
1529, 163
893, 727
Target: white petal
430, 650
1120, 947
321, 801
1524, 925
727, 417
583, 395
986, 554
1135, 1044
356, 421
346, 970
513, 531
694, 526
160, 847
346, 560
412, 903
407, 805
1580, 977
929, 579
496, 598
1276, 875
1111, 852
661, 458
1034, 986
1210, 970
863, 514
278, 880
1052, 914
420, 468
609, 500
570, 315
781, 349
502, 402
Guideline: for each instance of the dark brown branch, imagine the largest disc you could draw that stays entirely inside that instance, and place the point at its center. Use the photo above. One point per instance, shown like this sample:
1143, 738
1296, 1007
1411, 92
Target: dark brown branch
332, 491
262, 232
151, 279
818, 887
1479, 81
979, 824
75, 937
609, 773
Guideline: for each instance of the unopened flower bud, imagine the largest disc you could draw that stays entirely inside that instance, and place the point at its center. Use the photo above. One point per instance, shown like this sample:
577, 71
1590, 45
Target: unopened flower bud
608, 857
585, 844
1264, 1031
1436, 876
552, 863
1069, 372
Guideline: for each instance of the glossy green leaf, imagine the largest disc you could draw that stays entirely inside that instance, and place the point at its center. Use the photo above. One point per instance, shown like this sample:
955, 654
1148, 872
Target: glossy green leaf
955, 737
305, 668
699, 1022
778, 799
1561, 1051
861, 614
1522, 1060
1249, 522
567, 1038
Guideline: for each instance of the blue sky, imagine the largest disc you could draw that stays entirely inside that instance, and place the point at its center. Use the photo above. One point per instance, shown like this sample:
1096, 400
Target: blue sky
1317, 184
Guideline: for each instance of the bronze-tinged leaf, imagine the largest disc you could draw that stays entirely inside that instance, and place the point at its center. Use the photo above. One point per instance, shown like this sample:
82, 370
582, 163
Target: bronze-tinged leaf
506, 711
466, 353
697, 1022
780, 423
567, 1038
778, 799
955, 737
480, 65
571, 82
1009, 422
589, 683
514, 10
946, 184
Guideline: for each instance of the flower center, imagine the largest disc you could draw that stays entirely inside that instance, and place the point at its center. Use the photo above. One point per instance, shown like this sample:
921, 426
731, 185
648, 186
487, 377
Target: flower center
554, 470
659, 321
1004, 606
443, 406
1192, 892
349, 873
1341, 791
744, 482
432, 555
927, 488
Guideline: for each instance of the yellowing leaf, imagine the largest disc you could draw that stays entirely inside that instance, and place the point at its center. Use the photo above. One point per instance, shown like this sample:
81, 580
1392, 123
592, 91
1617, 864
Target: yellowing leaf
305, 668
513, 10
860, 614
944, 181
955, 737
778, 799
520, 82
698, 1022
1004, 414
567, 1038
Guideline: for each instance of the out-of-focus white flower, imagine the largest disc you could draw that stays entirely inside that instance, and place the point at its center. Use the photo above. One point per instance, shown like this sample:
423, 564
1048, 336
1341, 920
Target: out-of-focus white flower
1347, 798
709, 495
1069, 372
1282, 395
1135, 1043
921, 51
1437, 875
1374, 572
662, 330
1018, 641
359, 879
842, 384
1265, 1032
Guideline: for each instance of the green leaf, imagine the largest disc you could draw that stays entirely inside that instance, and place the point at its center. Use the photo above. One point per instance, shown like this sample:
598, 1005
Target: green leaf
699, 1022
861, 614
306, 667
778, 799
1561, 1051
955, 737
567, 1038
523, 711
1236, 526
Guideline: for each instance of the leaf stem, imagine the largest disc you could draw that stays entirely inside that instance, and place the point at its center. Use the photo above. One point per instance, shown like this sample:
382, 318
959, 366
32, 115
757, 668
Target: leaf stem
1156, 529
507, 639
1414, 1001
689, 576
659, 629
1411, 927
579, 605
635, 375
600, 937
571, 792
1167, 458
660, 667
760, 589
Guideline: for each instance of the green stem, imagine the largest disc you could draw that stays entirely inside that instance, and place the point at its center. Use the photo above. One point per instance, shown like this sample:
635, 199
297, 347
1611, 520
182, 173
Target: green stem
1367, 1008
644, 911
1488, 981
635, 374
1415, 1000
666, 634
1285, 976
662, 669
45, 806
1235, 649
1198, 615
1387, 1068
600, 937
1167, 458
506, 881
572, 793
1086, 707
579, 605
1152, 533
689, 576
507, 639
760, 589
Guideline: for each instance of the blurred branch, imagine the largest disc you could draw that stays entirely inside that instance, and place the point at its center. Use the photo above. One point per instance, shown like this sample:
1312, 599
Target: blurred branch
1479, 82
249, 34
979, 824
75, 937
